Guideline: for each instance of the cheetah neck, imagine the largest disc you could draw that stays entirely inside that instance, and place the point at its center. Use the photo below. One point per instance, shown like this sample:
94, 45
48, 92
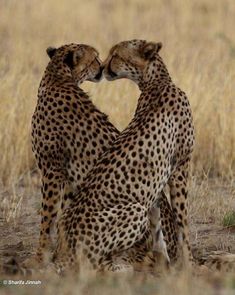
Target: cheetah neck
55, 75
52, 82
154, 80
150, 95
57, 71
155, 74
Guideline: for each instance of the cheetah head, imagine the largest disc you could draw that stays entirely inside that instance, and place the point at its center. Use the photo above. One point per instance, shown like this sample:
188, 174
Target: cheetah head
78, 61
132, 59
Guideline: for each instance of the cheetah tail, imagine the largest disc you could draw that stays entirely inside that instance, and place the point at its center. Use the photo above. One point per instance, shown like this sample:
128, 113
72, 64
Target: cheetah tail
218, 260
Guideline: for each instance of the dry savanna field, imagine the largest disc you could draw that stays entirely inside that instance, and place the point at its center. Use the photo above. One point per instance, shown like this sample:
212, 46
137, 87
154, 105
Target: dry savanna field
198, 39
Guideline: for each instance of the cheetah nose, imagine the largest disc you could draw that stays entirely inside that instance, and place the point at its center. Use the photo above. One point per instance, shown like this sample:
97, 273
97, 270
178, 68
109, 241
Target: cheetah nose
100, 74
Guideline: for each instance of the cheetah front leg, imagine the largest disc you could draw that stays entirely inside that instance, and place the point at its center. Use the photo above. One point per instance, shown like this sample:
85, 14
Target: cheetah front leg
168, 226
178, 184
55, 191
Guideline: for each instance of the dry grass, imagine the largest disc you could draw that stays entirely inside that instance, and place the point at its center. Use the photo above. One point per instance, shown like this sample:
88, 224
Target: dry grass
199, 50
129, 285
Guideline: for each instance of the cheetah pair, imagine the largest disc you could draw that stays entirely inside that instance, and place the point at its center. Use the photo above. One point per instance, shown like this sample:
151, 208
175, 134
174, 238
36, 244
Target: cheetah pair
108, 186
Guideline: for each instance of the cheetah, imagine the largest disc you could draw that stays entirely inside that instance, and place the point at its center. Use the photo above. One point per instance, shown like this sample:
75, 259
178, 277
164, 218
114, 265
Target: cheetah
109, 215
69, 133
174, 115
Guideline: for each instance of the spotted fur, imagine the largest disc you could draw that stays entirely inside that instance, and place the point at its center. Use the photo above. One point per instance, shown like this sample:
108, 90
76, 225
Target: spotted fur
109, 215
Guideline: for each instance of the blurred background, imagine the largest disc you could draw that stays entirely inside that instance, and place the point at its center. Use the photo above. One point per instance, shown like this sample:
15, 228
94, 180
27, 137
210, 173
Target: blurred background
198, 39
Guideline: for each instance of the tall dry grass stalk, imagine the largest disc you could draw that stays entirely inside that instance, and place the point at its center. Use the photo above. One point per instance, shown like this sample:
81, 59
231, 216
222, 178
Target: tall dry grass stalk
199, 50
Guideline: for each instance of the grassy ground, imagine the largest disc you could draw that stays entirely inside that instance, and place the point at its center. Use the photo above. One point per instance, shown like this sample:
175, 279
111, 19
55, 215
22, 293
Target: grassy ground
209, 201
199, 49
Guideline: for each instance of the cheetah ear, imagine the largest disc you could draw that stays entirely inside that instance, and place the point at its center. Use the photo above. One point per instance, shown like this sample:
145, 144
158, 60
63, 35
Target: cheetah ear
68, 60
158, 46
150, 49
51, 51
